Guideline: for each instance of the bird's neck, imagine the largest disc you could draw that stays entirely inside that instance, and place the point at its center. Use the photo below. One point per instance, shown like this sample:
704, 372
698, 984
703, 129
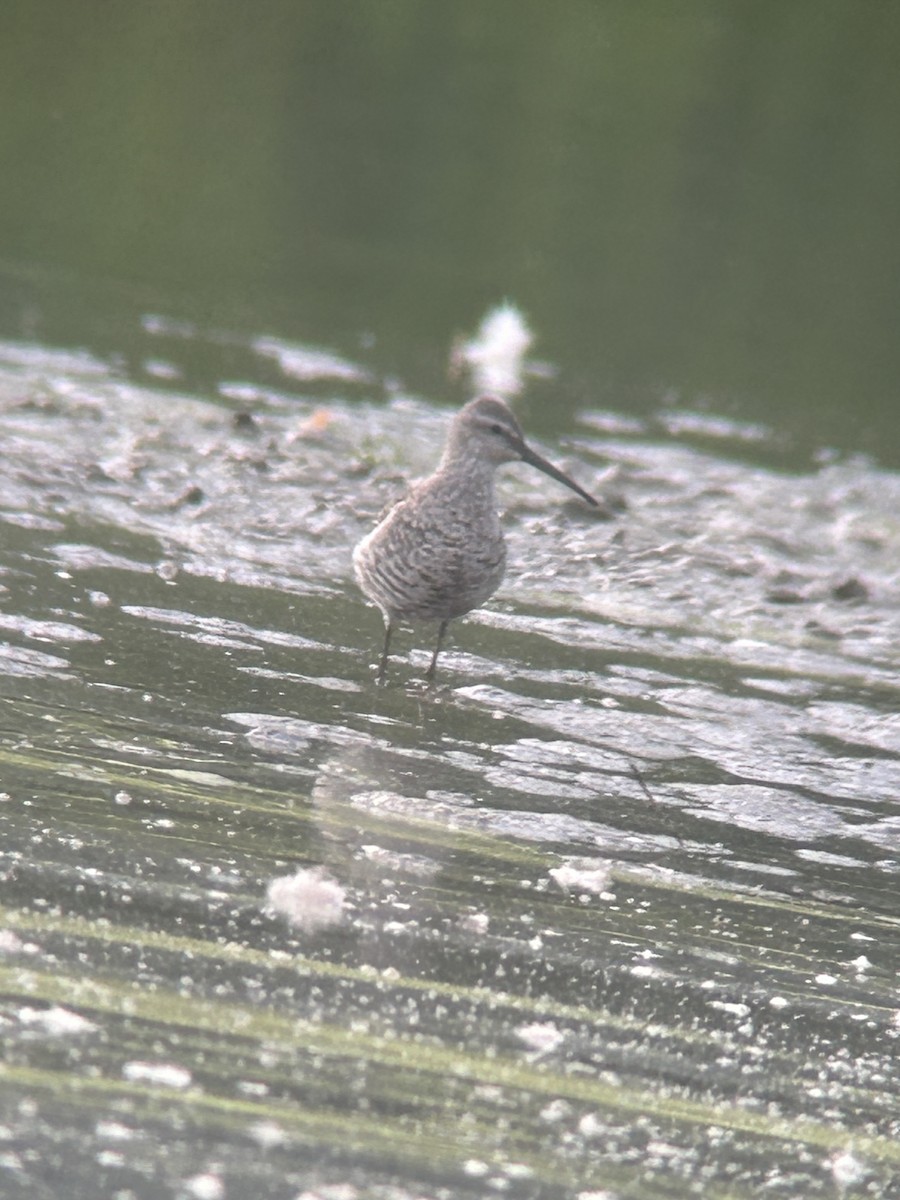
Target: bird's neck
465, 474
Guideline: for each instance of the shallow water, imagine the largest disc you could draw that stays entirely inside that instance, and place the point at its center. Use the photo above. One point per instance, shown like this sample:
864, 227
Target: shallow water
620, 893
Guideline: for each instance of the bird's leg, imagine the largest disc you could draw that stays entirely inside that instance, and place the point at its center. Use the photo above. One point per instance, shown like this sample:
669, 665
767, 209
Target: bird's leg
429, 674
382, 666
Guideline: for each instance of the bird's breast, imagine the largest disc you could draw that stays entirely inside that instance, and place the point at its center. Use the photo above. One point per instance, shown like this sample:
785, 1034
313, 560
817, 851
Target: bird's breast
435, 556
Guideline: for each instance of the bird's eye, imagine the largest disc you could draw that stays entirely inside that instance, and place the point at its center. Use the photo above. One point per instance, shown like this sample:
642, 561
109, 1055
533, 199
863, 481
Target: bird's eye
497, 429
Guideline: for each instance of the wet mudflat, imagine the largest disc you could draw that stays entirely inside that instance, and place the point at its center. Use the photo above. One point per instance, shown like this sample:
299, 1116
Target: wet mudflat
611, 910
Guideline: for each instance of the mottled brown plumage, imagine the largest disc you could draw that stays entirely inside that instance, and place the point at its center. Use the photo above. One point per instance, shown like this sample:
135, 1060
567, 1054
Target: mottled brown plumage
439, 553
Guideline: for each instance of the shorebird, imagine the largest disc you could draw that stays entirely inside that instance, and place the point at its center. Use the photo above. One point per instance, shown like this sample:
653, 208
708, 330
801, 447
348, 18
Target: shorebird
439, 552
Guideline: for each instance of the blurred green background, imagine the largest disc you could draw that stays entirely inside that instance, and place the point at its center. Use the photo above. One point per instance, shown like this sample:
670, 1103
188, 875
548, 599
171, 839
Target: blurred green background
694, 203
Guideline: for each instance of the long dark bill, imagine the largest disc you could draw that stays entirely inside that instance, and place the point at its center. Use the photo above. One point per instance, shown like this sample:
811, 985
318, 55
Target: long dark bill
531, 456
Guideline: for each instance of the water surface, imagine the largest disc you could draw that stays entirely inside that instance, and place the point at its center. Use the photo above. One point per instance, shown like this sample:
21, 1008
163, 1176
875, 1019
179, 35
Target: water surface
619, 893
612, 910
